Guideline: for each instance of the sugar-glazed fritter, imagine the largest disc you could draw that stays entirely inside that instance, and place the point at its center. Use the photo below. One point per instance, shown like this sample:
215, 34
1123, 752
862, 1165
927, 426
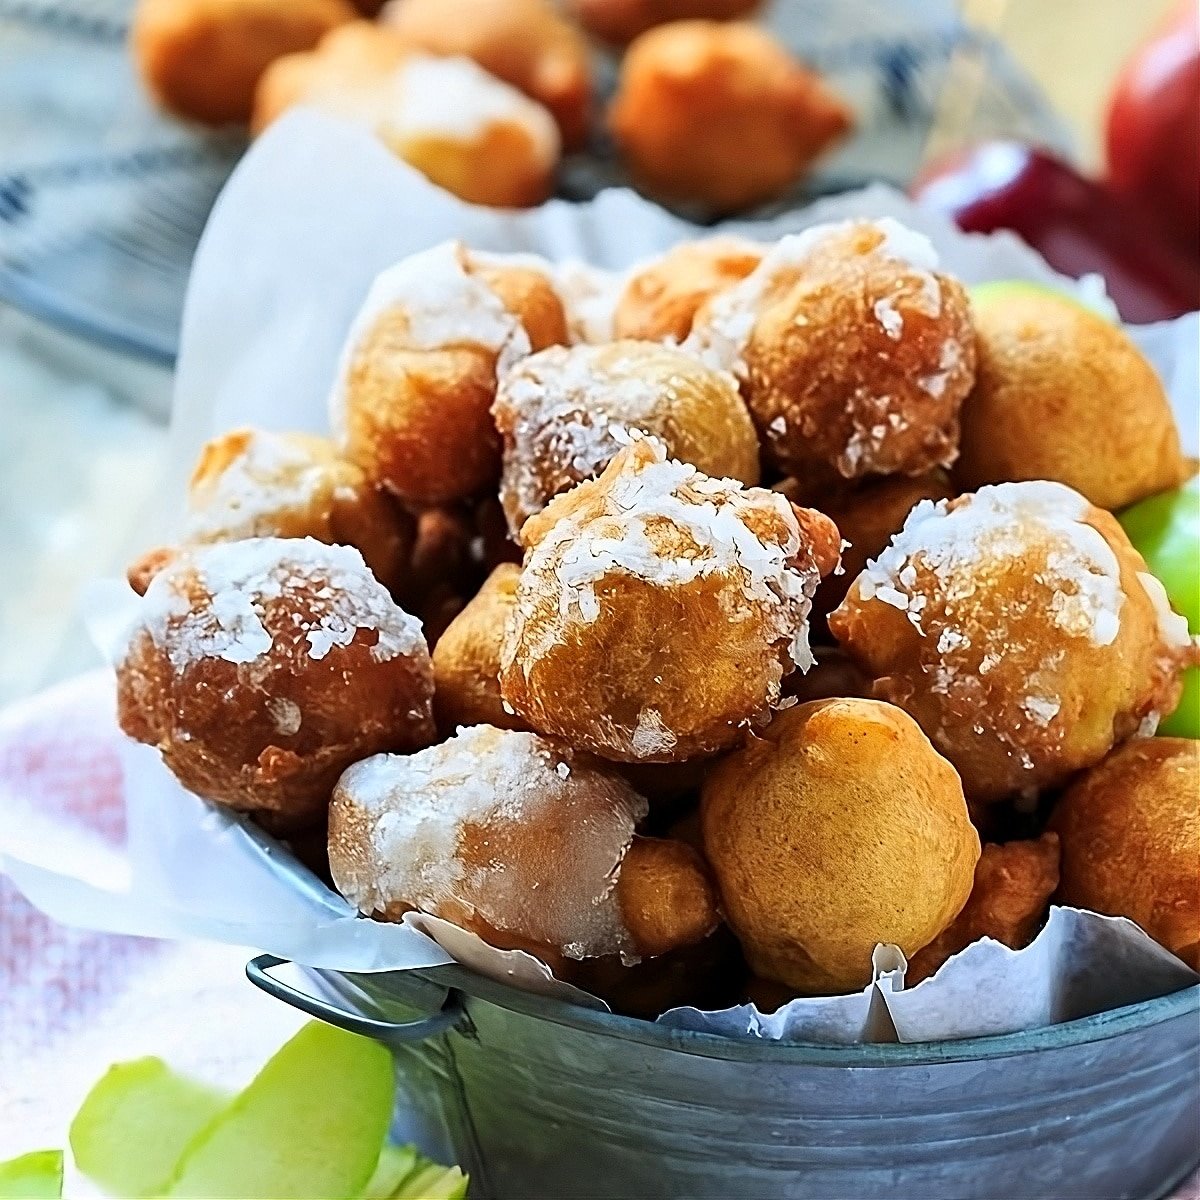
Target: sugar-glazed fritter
413, 396
1022, 631
520, 840
262, 668
854, 350
565, 412
252, 483
467, 131
659, 609
526, 43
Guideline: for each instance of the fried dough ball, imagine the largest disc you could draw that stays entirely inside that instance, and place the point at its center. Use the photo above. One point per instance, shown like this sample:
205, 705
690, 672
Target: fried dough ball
666, 895
524, 42
466, 131
1130, 831
720, 115
520, 840
1022, 631
342, 73
660, 301
1063, 394
251, 483
466, 659
618, 22
837, 828
412, 401
202, 59
1012, 889
565, 412
262, 668
867, 517
854, 351
659, 609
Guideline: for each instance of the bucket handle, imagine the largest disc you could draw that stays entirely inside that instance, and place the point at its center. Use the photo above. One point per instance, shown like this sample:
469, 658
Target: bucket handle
449, 1015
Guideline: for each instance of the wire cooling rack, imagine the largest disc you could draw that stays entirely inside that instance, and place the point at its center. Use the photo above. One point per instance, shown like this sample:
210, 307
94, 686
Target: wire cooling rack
103, 199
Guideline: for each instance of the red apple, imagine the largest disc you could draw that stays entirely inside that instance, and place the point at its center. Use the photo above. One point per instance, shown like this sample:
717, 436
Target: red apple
1154, 128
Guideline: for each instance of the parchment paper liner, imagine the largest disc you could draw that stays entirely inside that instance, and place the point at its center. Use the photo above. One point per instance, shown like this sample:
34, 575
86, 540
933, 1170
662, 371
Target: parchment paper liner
314, 211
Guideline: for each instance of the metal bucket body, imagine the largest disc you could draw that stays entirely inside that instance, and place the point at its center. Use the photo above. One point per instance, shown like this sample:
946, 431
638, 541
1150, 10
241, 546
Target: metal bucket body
539, 1098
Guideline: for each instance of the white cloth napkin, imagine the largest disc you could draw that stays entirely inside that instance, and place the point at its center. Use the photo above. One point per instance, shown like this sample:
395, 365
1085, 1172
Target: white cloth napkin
72, 1001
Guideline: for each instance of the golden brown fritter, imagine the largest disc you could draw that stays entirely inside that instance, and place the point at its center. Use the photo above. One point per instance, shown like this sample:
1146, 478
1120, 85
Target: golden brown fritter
1021, 629
837, 828
262, 668
720, 115
1012, 889
666, 896
1130, 830
202, 59
1061, 393
660, 301
466, 658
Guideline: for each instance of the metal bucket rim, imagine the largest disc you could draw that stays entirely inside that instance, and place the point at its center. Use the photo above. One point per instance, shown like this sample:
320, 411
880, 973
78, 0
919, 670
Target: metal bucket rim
1097, 1027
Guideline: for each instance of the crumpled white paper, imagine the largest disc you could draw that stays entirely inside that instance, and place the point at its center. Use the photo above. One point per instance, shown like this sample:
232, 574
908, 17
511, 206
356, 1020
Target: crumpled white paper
311, 215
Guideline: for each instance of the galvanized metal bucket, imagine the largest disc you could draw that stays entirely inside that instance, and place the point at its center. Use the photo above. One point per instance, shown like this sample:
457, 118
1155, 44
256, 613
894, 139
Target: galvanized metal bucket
539, 1098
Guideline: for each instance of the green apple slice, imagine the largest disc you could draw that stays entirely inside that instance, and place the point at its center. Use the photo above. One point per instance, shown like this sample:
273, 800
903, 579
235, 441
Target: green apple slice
1165, 530
432, 1182
35, 1176
395, 1164
310, 1125
135, 1123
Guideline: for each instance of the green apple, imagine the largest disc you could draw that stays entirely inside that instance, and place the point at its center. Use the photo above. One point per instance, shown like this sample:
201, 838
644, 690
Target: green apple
135, 1123
1002, 289
432, 1182
1165, 529
310, 1125
395, 1165
35, 1176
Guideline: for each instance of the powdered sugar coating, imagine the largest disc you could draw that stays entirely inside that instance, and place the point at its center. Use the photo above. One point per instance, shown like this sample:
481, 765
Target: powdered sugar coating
443, 305
566, 411
455, 98
952, 539
507, 827
652, 495
273, 472
1172, 626
210, 602
721, 337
